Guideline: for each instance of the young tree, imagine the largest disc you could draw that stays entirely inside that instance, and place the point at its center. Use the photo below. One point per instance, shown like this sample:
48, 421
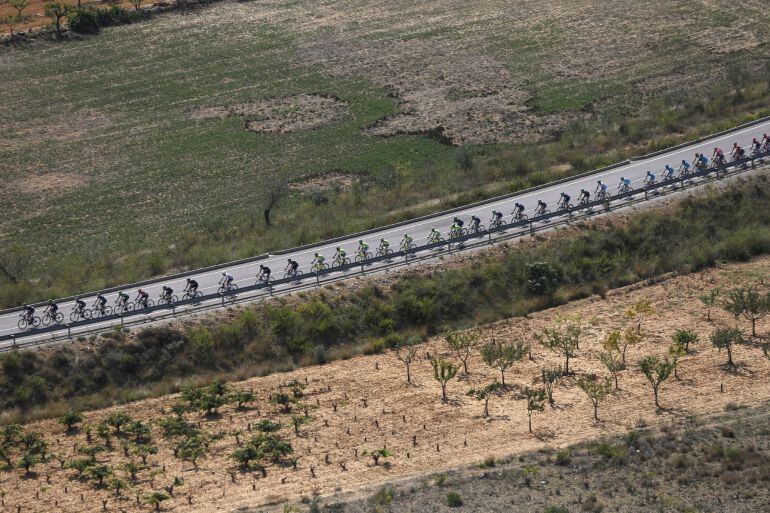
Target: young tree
443, 371
596, 389
564, 342
297, 421
284, 400
727, 338
242, 398
656, 371
376, 454
407, 352
246, 455
613, 361
709, 300
535, 403
484, 394
631, 337
19, 5
15, 262
56, 11
549, 377
11, 21
638, 312
99, 473
748, 303
463, 343
685, 338
28, 460
118, 420
70, 419
676, 351
737, 76
503, 356
155, 499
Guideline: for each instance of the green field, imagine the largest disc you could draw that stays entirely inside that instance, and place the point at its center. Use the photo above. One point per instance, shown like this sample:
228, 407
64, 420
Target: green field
107, 177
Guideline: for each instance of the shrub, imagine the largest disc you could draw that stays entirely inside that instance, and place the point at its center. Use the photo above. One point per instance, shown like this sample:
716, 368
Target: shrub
83, 20
542, 278
453, 500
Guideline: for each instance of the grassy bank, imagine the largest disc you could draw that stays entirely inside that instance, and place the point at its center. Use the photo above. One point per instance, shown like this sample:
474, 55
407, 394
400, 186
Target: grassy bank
108, 177
314, 328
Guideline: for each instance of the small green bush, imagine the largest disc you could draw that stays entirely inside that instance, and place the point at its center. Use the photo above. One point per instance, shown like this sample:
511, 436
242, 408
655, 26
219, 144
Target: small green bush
453, 500
83, 20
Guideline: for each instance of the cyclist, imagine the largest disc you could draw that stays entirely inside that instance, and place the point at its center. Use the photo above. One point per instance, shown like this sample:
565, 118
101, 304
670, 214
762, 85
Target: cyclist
166, 293
718, 156
541, 205
434, 236
459, 222
455, 230
227, 280
363, 247
703, 161
291, 267
80, 305
625, 184
319, 259
755, 146
765, 141
518, 210
564, 200
684, 169
100, 302
339, 256
51, 308
142, 296
737, 152
264, 273
601, 189
29, 312
585, 196
475, 222
650, 178
497, 218
122, 299
406, 243
384, 246
192, 287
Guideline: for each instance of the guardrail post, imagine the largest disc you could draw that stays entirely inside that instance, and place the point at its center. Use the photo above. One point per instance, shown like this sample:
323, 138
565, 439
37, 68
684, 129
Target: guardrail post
531, 228
173, 310
317, 280
645, 193
69, 332
13, 341
362, 267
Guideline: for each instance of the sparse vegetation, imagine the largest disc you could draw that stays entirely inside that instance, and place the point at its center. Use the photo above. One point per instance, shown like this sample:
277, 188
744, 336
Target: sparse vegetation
563, 340
656, 370
502, 356
595, 388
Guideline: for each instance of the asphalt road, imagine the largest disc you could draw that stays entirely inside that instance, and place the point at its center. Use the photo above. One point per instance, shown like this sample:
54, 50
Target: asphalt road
419, 230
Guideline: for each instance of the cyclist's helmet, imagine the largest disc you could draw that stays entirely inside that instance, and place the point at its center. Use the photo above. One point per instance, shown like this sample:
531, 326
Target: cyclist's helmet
188, 279
50, 301
141, 291
735, 145
25, 305
360, 241
224, 274
338, 248
754, 140
382, 240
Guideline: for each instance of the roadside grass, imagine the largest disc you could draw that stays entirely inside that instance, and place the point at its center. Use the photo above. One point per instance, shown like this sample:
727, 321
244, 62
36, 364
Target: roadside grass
318, 327
147, 190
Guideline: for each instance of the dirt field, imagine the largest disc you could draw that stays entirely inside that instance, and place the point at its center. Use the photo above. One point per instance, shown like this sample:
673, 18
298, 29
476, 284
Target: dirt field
101, 124
375, 407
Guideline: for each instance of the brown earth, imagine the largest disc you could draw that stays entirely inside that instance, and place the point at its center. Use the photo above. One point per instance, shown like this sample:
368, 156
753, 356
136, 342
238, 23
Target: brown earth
379, 408
281, 115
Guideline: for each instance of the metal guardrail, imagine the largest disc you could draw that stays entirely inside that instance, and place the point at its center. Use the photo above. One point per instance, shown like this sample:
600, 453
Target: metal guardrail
527, 225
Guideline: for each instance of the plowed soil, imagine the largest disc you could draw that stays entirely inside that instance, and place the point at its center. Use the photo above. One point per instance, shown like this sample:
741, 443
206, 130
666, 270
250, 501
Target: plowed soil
365, 403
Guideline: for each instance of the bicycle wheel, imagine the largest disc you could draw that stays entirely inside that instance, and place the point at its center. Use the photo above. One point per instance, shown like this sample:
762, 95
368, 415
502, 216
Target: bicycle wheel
174, 298
74, 316
107, 311
221, 289
46, 320
59, 318
23, 324
36, 322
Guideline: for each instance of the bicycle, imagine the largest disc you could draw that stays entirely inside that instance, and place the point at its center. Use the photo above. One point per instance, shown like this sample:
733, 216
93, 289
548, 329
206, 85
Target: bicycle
383, 251
457, 232
623, 188
339, 260
319, 266
541, 211
103, 311
518, 217
80, 313
407, 247
169, 300
189, 294
435, 238
564, 206
48, 318
496, 223
292, 273
601, 195
227, 288
363, 255
26, 321
140, 304
122, 307
477, 228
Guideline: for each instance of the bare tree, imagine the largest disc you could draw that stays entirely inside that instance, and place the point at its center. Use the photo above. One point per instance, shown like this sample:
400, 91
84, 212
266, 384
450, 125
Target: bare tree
273, 188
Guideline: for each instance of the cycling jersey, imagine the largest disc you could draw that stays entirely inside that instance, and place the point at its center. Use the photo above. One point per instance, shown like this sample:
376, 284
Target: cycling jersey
192, 284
